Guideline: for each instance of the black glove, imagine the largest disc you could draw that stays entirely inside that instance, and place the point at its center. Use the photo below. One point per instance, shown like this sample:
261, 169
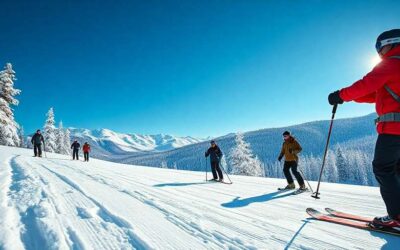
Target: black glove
334, 98
280, 158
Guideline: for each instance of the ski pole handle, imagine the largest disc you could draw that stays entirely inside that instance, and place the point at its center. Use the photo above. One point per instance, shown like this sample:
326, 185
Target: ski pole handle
334, 109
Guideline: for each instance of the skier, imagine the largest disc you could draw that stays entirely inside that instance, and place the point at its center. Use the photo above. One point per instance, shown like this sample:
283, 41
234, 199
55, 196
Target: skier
382, 86
75, 150
37, 140
215, 154
290, 149
86, 150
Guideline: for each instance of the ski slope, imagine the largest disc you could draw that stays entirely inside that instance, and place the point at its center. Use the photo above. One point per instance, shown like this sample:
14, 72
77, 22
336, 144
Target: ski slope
56, 203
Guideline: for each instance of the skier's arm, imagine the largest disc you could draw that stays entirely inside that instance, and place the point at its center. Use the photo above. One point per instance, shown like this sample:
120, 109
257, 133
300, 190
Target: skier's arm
370, 83
219, 153
297, 148
42, 138
371, 98
207, 153
282, 152
32, 139
72, 145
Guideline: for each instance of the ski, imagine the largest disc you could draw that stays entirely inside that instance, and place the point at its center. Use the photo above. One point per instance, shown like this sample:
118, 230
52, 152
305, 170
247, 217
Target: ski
223, 182
300, 191
348, 222
286, 189
347, 215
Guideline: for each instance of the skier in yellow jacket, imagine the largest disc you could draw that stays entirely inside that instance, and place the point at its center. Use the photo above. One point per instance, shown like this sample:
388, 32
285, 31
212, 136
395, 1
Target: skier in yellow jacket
290, 149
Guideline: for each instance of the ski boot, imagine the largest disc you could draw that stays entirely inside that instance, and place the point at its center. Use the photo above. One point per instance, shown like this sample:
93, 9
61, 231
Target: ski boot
385, 222
290, 186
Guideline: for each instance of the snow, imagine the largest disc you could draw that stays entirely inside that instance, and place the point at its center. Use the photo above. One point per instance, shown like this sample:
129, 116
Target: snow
56, 203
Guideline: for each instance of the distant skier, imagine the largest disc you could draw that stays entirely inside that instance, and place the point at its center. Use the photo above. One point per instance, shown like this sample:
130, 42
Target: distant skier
215, 154
37, 140
75, 150
382, 86
86, 151
290, 149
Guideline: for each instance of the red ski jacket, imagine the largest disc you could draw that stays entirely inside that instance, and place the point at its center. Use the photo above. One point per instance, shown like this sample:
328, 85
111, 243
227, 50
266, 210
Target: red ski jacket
86, 148
370, 89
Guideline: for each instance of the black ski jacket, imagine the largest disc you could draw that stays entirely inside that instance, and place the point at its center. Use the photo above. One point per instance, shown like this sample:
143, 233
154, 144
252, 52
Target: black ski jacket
75, 146
37, 139
215, 154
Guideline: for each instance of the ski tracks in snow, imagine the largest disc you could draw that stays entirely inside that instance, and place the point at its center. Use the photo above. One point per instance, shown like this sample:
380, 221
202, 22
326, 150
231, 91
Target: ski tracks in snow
54, 213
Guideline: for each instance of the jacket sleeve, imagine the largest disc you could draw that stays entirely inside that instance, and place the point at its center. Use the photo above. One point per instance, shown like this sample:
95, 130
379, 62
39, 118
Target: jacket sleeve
370, 83
207, 153
282, 151
32, 139
219, 153
297, 148
72, 145
371, 98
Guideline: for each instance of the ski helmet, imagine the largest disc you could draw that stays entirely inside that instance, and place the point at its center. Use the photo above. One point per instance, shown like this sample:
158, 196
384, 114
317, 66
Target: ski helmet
286, 133
387, 38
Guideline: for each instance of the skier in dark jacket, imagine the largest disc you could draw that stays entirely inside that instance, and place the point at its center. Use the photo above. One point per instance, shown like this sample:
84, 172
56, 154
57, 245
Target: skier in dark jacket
75, 149
382, 87
290, 149
37, 140
215, 157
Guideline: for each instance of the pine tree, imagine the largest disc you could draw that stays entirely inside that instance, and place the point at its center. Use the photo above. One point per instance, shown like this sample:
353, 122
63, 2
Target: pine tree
50, 137
342, 166
22, 141
8, 126
60, 137
242, 160
67, 142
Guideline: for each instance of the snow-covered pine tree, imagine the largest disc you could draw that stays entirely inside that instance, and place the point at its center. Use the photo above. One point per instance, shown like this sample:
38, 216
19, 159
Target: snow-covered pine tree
67, 141
342, 166
60, 137
22, 141
8, 126
242, 160
50, 137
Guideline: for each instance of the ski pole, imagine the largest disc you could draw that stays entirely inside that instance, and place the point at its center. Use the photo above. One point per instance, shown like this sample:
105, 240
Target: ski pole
316, 194
223, 169
301, 172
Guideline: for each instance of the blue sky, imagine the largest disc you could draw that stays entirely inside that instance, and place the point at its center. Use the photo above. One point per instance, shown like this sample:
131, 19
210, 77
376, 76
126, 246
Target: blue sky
201, 68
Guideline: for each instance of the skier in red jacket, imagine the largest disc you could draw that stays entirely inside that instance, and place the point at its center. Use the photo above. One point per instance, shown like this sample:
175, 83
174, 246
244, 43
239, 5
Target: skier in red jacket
382, 86
86, 150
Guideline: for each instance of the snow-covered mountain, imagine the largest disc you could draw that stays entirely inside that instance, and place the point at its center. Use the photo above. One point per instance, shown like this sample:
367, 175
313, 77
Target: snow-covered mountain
56, 203
107, 143
353, 139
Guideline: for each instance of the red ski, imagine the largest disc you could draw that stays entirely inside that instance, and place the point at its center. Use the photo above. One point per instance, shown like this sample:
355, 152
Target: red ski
348, 222
347, 216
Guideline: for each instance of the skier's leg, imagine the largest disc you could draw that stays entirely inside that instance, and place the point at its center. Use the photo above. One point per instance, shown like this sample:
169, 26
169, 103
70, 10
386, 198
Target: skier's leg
286, 172
213, 169
218, 168
77, 155
40, 150
35, 149
387, 154
296, 174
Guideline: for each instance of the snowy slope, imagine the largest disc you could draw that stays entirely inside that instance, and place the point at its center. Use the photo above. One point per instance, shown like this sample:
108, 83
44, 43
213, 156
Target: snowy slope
55, 203
106, 142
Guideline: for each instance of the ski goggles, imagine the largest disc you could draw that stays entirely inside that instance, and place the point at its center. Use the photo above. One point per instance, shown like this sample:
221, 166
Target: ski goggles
380, 44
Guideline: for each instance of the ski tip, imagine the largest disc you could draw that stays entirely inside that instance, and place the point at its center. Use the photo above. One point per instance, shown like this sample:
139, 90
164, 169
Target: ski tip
330, 210
312, 211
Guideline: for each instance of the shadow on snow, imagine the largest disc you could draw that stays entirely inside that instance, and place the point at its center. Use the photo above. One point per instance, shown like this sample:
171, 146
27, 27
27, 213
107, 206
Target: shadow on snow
237, 202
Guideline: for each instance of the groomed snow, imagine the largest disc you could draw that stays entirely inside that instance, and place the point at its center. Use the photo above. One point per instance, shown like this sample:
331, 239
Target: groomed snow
56, 203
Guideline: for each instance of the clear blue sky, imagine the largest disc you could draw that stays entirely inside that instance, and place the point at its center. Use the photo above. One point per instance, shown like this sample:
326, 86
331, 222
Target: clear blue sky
201, 68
